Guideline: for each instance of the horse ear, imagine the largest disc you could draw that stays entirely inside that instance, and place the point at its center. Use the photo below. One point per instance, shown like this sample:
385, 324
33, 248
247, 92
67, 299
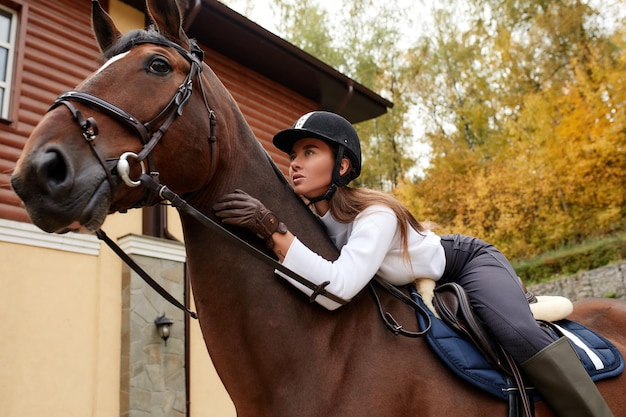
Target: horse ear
168, 20
103, 26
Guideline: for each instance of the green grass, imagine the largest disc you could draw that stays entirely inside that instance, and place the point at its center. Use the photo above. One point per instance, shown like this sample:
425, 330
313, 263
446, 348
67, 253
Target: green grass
568, 261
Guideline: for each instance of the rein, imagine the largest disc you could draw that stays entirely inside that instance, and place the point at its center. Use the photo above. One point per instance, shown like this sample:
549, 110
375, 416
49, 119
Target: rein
176, 201
143, 274
166, 194
166, 117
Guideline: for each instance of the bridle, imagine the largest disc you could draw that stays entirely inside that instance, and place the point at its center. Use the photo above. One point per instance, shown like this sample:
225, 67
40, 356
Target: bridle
149, 132
150, 181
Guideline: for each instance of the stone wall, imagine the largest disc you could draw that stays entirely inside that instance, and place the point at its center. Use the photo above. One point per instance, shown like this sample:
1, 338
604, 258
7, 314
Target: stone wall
153, 379
608, 281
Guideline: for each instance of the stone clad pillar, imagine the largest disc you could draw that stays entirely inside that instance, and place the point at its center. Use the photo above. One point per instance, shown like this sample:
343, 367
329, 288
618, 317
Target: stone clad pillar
153, 373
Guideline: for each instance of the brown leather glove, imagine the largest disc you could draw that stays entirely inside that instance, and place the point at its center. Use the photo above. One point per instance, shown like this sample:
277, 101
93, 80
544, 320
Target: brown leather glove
240, 209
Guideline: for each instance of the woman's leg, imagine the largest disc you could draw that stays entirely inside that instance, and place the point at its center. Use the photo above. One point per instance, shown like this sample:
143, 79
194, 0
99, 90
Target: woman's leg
498, 300
496, 295
564, 383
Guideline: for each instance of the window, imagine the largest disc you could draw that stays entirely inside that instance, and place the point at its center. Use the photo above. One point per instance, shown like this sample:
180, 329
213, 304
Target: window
8, 31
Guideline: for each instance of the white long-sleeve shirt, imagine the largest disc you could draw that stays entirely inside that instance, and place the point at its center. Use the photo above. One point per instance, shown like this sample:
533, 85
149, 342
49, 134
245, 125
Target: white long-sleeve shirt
370, 245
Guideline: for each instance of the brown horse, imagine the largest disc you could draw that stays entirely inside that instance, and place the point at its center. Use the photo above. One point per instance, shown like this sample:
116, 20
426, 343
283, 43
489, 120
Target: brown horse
277, 354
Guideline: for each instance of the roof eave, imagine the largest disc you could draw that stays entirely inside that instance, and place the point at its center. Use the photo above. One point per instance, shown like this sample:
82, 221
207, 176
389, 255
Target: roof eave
238, 38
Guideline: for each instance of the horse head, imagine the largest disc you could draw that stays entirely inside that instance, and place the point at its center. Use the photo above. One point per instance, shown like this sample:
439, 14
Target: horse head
149, 100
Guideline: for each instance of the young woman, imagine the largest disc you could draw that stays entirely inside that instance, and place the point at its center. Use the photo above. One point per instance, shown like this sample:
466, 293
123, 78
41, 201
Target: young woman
377, 235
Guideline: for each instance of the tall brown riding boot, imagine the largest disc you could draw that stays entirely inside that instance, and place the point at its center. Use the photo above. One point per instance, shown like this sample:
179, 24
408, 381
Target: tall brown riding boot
564, 383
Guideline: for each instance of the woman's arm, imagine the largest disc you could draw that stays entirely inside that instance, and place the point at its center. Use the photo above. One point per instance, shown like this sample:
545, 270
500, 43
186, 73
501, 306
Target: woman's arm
282, 243
372, 235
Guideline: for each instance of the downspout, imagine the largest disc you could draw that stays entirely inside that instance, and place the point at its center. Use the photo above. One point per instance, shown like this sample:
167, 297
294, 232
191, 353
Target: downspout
193, 9
155, 218
187, 347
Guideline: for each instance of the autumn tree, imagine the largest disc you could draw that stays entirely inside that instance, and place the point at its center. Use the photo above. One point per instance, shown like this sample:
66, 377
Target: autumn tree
526, 123
364, 45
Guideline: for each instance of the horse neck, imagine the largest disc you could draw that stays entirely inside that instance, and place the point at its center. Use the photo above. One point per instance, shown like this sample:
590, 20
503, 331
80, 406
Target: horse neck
244, 164
231, 287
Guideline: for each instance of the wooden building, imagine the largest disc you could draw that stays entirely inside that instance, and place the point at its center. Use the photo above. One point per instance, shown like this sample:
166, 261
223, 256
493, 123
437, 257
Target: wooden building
69, 308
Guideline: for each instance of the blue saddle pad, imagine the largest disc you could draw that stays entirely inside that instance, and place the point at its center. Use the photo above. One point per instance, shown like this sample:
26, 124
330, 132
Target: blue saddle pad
600, 357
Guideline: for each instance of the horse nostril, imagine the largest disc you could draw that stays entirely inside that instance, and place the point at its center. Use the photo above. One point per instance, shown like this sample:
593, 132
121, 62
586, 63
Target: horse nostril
52, 170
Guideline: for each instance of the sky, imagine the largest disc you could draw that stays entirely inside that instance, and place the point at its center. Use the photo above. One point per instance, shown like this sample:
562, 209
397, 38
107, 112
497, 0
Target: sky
260, 11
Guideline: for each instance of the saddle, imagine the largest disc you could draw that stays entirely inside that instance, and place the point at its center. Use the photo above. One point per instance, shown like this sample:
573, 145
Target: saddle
453, 307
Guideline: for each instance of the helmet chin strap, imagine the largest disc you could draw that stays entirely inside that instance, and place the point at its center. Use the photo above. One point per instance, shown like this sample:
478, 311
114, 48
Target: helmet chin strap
337, 180
326, 196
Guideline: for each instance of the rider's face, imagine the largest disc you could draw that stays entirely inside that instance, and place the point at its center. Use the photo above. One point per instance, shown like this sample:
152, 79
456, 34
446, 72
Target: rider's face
311, 167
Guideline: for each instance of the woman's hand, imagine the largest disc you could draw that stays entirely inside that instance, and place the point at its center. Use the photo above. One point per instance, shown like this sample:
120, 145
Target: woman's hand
240, 209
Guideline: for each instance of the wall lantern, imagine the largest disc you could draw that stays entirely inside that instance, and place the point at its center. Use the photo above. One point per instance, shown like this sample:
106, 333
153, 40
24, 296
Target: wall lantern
163, 325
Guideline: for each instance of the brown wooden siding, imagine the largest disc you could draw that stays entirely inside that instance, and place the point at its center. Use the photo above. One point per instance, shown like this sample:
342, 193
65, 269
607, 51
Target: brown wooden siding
56, 52
58, 55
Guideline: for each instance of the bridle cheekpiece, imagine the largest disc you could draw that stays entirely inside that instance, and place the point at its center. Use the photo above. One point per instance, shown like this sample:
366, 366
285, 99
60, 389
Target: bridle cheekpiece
149, 132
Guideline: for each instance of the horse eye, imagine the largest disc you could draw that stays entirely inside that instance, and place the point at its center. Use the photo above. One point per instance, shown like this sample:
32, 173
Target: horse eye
159, 66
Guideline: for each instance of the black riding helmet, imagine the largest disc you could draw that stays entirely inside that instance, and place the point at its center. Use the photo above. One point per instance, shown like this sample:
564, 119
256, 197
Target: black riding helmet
336, 131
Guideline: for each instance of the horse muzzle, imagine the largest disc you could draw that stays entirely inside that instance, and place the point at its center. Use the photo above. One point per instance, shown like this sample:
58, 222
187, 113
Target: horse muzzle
59, 193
